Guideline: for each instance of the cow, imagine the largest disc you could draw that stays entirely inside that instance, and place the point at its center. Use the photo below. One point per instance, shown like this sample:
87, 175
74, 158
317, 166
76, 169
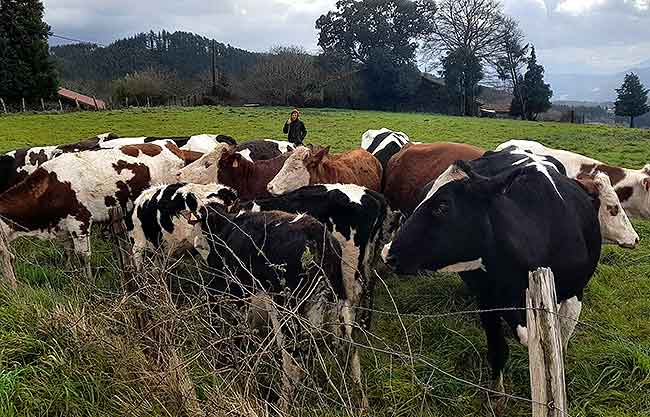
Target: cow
205, 143
225, 166
631, 185
493, 231
415, 166
383, 144
162, 217
18, 164
264, 149
307, 166
358, 218
273, 259
63, 197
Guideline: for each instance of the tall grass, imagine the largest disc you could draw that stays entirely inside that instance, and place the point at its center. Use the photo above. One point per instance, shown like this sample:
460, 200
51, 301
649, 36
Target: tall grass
71, 349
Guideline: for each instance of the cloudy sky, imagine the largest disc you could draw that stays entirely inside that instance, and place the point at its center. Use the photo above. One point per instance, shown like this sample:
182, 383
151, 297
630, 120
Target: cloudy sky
572, 36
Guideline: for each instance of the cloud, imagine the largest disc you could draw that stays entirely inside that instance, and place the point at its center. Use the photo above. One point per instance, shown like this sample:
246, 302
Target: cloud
594, 36
251, 24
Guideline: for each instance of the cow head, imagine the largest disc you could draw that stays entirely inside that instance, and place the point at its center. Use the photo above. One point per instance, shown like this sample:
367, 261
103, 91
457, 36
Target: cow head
232, 167
201, 202
447, 230
615, 226
297, 169
634, 193
205, 170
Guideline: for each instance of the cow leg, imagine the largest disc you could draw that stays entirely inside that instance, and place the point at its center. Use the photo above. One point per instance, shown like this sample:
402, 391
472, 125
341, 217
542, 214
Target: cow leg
569, 313
347, 321
497, 355
291, 372
83, 250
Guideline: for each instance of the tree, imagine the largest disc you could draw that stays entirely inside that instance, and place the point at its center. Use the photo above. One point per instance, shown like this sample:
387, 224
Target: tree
474, 26
512, 59
378, 39
26, 69
632, 98
462, 71
536, 94
285, 76
358, 27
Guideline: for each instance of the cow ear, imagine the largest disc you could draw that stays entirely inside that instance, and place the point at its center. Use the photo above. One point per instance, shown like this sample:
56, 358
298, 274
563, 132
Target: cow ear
318, 157
235, 207
490, 186
235, 160
646, 184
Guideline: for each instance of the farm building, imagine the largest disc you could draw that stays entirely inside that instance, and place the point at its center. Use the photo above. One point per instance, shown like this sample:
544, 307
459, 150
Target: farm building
77, 99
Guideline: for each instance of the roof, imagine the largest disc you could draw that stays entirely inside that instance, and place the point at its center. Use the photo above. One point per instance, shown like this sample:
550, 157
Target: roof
82, 99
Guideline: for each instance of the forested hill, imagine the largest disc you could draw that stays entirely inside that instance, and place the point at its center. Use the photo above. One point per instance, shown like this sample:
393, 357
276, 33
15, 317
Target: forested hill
185, 53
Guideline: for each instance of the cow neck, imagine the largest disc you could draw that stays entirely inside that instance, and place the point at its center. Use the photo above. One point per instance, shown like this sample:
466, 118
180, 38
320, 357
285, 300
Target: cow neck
13, 202
324, 173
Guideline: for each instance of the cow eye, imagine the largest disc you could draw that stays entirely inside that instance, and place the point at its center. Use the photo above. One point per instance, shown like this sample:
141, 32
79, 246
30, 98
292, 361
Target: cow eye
208, 164
613, 210
440, 210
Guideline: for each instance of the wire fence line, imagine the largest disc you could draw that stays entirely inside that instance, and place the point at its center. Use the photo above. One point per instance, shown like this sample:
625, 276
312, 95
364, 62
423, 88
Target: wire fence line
203, 332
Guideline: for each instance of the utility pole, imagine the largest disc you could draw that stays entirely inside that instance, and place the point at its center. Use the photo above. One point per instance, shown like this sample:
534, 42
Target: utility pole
214, 72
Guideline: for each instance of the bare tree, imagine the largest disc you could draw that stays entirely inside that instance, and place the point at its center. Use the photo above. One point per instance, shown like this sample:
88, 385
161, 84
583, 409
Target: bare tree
286, 75
512, 59
470, 25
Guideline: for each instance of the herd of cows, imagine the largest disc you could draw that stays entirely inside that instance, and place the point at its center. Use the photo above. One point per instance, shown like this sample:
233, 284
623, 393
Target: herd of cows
286, 225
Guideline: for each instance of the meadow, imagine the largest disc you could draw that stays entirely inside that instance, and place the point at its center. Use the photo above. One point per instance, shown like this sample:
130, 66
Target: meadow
64, 351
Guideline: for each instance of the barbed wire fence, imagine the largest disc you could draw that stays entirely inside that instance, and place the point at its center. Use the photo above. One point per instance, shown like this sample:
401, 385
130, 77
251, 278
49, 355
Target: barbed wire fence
193, 353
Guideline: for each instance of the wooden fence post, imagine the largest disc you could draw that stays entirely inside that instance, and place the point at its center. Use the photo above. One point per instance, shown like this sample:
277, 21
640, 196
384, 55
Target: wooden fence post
545, 352
23, 100
4, 107
76, 101
42, 104
60, 106
5, 259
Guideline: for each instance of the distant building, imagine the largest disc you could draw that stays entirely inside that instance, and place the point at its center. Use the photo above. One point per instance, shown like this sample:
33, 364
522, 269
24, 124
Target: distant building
73, 98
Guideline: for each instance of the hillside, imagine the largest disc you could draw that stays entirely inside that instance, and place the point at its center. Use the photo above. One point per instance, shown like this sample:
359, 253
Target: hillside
69, 348
184, 53
593, 88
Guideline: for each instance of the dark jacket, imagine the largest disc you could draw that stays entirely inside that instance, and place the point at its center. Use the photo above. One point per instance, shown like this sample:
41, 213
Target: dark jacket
296, 131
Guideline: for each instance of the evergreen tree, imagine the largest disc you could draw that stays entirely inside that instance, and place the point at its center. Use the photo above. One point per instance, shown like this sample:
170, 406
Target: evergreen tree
535, 92
462, 71
632, 98
26, 69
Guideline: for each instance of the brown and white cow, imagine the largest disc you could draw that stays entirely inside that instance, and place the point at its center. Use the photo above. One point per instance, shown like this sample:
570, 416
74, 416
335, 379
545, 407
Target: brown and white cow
615, 226
225, 166
308, 166
416, 165
632, 186
16, 165
63, 197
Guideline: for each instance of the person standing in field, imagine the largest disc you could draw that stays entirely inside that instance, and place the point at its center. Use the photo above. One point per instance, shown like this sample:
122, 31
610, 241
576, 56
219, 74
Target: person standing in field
294, 128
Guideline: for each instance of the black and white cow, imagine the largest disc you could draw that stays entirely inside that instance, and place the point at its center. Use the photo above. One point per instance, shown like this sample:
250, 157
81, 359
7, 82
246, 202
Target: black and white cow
164, 217
275, 258
383, 144
494, 230
264, 149
359, 219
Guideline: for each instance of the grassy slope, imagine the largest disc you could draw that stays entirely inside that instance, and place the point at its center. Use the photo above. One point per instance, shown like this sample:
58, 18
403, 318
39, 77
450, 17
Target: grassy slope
44, 371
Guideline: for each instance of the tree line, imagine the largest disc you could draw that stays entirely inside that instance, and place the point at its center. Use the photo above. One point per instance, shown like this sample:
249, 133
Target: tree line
371, 51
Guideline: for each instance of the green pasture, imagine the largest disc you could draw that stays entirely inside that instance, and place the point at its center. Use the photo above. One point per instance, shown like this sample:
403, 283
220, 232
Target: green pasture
51, 366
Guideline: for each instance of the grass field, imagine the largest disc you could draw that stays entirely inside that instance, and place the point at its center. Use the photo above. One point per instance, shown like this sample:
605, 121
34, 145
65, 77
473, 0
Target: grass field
50, 366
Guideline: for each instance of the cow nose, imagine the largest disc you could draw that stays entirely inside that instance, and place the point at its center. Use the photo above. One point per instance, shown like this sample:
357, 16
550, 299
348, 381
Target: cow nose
269, 188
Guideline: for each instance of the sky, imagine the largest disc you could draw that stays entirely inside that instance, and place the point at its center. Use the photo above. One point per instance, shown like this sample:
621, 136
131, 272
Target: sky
571, 36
